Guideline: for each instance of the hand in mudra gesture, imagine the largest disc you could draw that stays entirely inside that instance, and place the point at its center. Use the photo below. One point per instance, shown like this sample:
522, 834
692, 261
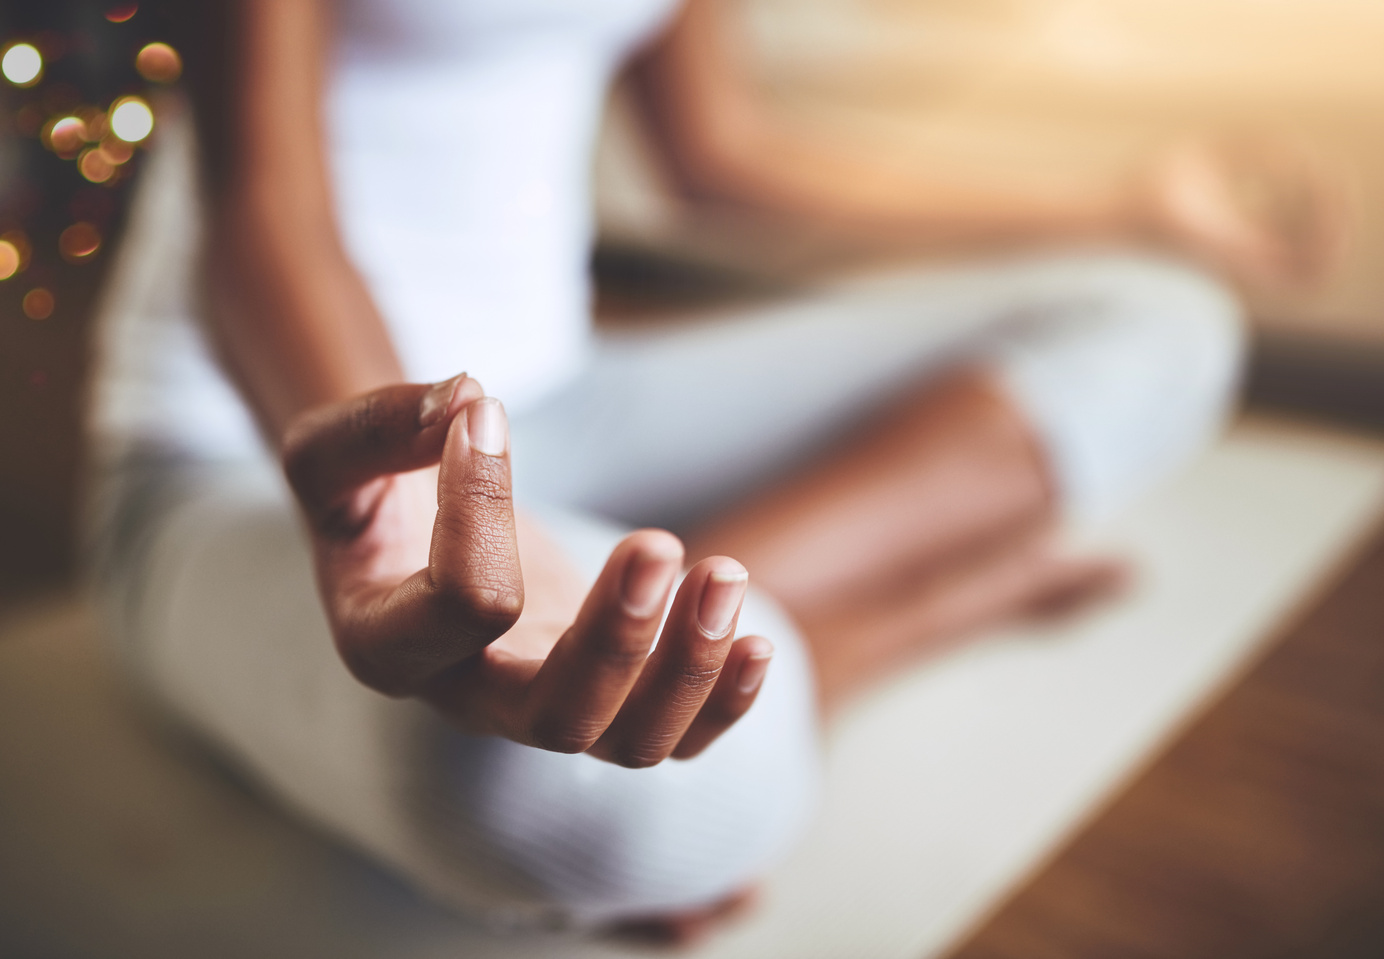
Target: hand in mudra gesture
433, 604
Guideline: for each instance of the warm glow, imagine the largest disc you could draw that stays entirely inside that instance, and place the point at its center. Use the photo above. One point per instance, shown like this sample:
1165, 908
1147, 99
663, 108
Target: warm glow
78, 242
9, 259
67, 136
94, 119
131, 119
122, 12
116, 151
20, 241
159, 63
38, 304
95, 166
22, 64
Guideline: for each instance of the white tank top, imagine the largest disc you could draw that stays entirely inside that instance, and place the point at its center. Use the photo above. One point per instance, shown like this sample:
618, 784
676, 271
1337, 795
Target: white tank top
460, 136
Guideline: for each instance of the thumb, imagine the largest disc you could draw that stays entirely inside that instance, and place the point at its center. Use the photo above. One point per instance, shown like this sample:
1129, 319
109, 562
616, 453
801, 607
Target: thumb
472, 590
473, 564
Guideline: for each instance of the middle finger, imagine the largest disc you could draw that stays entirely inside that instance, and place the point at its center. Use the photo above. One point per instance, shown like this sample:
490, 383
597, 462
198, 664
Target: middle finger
682, 671
588, 674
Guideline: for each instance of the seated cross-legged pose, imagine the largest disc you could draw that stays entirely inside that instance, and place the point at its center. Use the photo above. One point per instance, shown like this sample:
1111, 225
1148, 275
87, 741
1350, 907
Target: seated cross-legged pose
319, 568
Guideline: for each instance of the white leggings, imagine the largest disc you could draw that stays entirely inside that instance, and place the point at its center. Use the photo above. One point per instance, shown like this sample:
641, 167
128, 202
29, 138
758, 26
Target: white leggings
1124, 365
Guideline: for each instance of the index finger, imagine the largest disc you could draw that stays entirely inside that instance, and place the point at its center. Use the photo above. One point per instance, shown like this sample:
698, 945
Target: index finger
330, 452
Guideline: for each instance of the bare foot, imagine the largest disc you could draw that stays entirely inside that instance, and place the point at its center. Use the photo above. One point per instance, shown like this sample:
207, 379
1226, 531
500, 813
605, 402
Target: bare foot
683, 930
1027, 578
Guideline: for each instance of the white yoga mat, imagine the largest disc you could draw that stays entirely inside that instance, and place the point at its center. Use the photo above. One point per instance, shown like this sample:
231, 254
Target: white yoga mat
945, 790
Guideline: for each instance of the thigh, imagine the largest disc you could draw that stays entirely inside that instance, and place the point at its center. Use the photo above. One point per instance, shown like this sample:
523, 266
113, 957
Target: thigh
668, 424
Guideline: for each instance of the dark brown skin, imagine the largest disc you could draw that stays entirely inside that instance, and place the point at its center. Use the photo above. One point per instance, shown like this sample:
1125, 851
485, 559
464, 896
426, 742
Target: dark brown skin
451, 632
726, 143
1267, 210
925, 526
291, 315
416, 540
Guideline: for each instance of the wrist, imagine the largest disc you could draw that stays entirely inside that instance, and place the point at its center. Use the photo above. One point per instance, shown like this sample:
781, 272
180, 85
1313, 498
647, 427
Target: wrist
291, 318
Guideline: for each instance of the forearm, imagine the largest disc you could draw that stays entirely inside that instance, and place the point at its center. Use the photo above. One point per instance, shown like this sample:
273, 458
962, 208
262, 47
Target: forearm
786, 172
290, 315
726, 143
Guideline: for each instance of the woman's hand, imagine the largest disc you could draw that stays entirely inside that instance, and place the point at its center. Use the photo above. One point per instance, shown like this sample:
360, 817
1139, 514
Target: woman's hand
1270, 211
424, 602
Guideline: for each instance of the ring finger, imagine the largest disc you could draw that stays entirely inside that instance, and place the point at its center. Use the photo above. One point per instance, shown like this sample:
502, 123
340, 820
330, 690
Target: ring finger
683, 669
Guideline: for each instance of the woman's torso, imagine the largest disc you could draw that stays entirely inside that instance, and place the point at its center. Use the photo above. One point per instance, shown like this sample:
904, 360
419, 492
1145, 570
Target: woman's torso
459, 137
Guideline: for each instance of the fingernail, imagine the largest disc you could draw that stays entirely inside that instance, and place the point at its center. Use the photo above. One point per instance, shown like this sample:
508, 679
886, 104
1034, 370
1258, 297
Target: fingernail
720, 599
437, 400
752, 672
488, 427
648, 577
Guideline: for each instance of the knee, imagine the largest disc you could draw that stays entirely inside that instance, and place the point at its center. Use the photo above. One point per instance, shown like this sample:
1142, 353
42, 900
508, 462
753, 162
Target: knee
1198, 324
580, 841
1133, 373
1180, 345
587, 843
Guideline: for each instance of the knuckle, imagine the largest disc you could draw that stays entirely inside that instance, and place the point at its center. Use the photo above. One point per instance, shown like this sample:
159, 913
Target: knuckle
489, 491
366, 422
489, 541
619, 653
640, 755
563, 735
695, 677
486, 608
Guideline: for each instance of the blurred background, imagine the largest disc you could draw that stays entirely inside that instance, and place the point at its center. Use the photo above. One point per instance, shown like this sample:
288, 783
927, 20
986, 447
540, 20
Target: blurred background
65, 178
1060, 93
1051, 94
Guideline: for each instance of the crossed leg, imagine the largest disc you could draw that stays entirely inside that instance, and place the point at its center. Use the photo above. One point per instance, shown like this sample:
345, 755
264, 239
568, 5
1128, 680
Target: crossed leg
928, 525
924, 507
887, 458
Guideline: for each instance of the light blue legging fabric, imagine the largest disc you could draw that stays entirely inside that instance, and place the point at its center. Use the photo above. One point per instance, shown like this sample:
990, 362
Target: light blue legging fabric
1125, 366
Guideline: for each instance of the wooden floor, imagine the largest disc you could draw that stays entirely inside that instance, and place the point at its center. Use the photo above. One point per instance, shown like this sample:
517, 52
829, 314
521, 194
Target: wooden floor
1260, 833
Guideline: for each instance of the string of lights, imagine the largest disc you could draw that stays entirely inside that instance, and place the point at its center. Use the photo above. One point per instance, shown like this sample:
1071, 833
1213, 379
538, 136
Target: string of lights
81, 93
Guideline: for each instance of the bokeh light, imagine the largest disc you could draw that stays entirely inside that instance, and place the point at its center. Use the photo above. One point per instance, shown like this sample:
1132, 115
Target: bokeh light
122, 12
159, 63
95, 166
67, 136
116, 151
79, 242
95, 120
20, 241
22, 64
9, 259
38, 304
131, 119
